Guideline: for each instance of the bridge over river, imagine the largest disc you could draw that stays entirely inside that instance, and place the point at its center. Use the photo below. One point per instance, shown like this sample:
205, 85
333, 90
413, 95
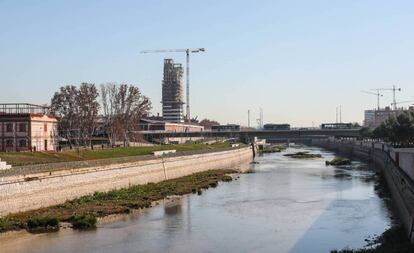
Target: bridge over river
264, 134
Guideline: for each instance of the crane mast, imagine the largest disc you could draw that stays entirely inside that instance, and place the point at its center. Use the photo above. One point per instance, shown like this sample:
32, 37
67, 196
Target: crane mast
187, 76
402, 102
378, 94
393, 89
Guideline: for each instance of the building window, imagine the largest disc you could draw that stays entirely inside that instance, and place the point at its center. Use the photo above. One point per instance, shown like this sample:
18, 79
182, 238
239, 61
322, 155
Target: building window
9, 143
23, 143
22, 127
45, 127
9, 127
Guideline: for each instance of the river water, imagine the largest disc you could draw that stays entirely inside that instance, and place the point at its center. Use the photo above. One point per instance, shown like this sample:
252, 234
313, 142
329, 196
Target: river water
286, 205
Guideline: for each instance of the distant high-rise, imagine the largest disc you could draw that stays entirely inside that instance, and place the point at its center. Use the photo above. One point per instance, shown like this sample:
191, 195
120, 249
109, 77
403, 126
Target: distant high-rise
172, 92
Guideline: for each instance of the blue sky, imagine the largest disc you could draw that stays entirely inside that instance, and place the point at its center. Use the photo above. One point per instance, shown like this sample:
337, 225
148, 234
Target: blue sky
297, 60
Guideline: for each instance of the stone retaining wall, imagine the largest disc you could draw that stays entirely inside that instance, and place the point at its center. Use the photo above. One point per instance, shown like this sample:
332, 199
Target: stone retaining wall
20, 193
400, 184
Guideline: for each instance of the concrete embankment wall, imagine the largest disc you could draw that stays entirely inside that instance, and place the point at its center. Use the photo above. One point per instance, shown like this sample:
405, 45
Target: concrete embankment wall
18, 193
386, 159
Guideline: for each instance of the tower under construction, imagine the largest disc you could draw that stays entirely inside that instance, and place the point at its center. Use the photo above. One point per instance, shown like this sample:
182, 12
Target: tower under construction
172, 92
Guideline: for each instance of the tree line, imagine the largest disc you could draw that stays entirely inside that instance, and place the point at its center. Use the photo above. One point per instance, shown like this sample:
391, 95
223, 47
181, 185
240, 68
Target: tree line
117, 109
397, 130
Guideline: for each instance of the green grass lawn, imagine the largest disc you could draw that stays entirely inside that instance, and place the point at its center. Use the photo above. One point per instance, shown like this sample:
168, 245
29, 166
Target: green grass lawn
29, 158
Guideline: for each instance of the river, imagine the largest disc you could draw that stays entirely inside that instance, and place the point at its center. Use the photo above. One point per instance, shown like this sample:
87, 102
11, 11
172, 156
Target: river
286, 205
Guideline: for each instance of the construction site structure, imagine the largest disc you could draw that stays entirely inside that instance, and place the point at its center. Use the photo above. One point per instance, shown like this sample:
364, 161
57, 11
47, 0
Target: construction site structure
187, 51
394, 90
377, 93
172, 92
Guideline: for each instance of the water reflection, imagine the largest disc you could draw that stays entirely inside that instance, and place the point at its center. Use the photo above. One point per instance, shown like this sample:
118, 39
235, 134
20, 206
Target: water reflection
287, 205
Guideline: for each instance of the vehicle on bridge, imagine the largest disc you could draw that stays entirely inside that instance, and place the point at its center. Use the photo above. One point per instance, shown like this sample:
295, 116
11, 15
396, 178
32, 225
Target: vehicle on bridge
336, 126
276, 127
225, 128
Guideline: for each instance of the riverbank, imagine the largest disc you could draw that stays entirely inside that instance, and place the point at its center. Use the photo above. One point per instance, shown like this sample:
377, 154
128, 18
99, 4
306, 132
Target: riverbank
396, 168
394, 239
23, 192
101, 204
265, 207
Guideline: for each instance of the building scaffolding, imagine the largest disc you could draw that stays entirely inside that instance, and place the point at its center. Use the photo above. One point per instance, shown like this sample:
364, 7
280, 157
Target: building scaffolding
172, 92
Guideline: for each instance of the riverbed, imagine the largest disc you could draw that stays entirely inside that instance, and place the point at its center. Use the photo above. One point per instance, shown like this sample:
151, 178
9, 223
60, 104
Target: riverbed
286, 205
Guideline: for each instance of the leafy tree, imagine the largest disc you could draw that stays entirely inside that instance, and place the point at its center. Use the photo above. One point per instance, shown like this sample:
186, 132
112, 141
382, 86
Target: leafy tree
404, 129
64, 106
366, 132
77, 110
207, 123
398, 130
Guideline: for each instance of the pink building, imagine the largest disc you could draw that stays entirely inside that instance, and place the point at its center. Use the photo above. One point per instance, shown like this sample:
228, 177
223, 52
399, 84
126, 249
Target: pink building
27, 127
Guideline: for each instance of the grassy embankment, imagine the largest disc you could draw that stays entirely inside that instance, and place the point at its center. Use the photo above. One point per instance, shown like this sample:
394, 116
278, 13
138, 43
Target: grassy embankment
30, 158
82, 212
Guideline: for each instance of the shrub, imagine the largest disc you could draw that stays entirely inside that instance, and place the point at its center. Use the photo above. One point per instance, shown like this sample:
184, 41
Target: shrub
213, 184
227, 178
42, 224
83, 221
337, 161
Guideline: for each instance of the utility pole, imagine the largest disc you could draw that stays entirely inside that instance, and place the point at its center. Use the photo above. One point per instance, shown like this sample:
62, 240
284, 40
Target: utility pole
340, 113
260, 119
248, 118
336, 115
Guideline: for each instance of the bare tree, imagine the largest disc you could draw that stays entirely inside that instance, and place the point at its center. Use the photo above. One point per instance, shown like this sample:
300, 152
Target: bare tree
108, 94
88, 108
123, 107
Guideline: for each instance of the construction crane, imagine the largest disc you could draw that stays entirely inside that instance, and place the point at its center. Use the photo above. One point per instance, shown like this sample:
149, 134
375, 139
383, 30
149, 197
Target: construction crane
393, 89
402, 102
378, 94
187, 52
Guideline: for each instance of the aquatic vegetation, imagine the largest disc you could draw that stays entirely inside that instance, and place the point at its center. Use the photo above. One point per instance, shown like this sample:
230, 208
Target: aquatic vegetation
83, 222
43, 224
303, 155
272, 149
227, 178
337, 161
